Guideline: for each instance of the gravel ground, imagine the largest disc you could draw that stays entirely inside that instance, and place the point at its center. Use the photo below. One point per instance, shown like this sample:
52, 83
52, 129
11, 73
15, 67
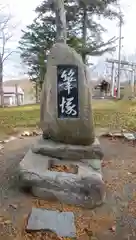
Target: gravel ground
115, 220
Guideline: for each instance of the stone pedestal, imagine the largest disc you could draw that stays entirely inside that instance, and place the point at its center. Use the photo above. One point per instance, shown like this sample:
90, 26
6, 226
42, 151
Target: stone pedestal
84, 188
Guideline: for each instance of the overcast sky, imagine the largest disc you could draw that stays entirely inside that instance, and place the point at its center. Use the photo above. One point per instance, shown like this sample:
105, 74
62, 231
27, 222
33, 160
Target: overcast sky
23, 14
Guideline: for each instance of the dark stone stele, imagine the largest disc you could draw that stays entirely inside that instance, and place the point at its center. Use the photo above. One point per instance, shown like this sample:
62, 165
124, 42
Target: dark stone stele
67, 90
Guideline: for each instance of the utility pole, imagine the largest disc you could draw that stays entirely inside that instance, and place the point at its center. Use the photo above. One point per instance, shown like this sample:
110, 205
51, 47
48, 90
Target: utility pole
119, 56
132, 81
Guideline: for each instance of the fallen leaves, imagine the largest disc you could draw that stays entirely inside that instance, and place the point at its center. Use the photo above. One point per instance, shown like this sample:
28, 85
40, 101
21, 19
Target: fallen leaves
30, 133
64, 168
7, 230
42, 236
7, 222
88, 224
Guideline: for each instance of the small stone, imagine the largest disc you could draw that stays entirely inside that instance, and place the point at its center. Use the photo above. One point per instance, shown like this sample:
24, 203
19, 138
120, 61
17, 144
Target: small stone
6, 141
129, 136
14, 206
123, 130
108, 134
12, 138
95, 164
35, 133
113, 229
26, 134
62, 223
117, 134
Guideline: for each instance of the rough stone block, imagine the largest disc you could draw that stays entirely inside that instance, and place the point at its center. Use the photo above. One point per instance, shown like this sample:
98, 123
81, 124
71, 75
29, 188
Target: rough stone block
84, 189
93, 163
32, 162
88, 192
61, 223
129, 136
73, 131
44, 193
67, 151
84, 170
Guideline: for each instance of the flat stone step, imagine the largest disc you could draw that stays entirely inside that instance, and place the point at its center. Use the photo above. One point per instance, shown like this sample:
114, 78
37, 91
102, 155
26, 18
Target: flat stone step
61, 223
67, 151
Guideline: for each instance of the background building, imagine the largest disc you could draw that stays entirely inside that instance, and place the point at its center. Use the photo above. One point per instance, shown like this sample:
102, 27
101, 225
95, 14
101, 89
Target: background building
13, 95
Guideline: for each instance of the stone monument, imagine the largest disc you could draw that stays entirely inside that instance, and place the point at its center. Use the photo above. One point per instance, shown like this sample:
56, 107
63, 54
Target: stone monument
68, 136
66, 113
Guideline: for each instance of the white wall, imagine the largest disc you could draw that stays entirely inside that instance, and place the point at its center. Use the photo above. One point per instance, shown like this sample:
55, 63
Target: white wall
10, 100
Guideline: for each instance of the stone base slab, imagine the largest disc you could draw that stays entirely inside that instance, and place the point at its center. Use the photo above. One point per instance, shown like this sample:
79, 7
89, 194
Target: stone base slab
61, 223
86, 188
67, 151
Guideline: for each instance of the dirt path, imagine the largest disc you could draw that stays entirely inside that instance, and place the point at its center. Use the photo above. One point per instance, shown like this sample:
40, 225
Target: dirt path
119, 169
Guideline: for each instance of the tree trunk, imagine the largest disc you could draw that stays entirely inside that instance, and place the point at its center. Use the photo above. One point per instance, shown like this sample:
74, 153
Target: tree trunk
60, 21
84, 32
1, 84
36, 93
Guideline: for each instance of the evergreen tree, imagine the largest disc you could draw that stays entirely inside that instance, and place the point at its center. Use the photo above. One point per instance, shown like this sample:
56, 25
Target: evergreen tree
84, 33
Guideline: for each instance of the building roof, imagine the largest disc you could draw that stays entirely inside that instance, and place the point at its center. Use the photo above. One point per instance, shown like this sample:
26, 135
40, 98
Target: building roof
12, 90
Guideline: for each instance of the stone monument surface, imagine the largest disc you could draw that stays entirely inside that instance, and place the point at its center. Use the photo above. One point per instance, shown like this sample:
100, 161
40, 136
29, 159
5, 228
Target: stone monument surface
68, 136
66, 111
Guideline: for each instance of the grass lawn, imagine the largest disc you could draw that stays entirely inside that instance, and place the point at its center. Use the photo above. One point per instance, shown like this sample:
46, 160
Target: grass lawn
115, 114
14, 119
107, 114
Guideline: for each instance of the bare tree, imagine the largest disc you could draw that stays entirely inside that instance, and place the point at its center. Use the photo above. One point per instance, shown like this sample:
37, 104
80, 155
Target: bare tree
5, 36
